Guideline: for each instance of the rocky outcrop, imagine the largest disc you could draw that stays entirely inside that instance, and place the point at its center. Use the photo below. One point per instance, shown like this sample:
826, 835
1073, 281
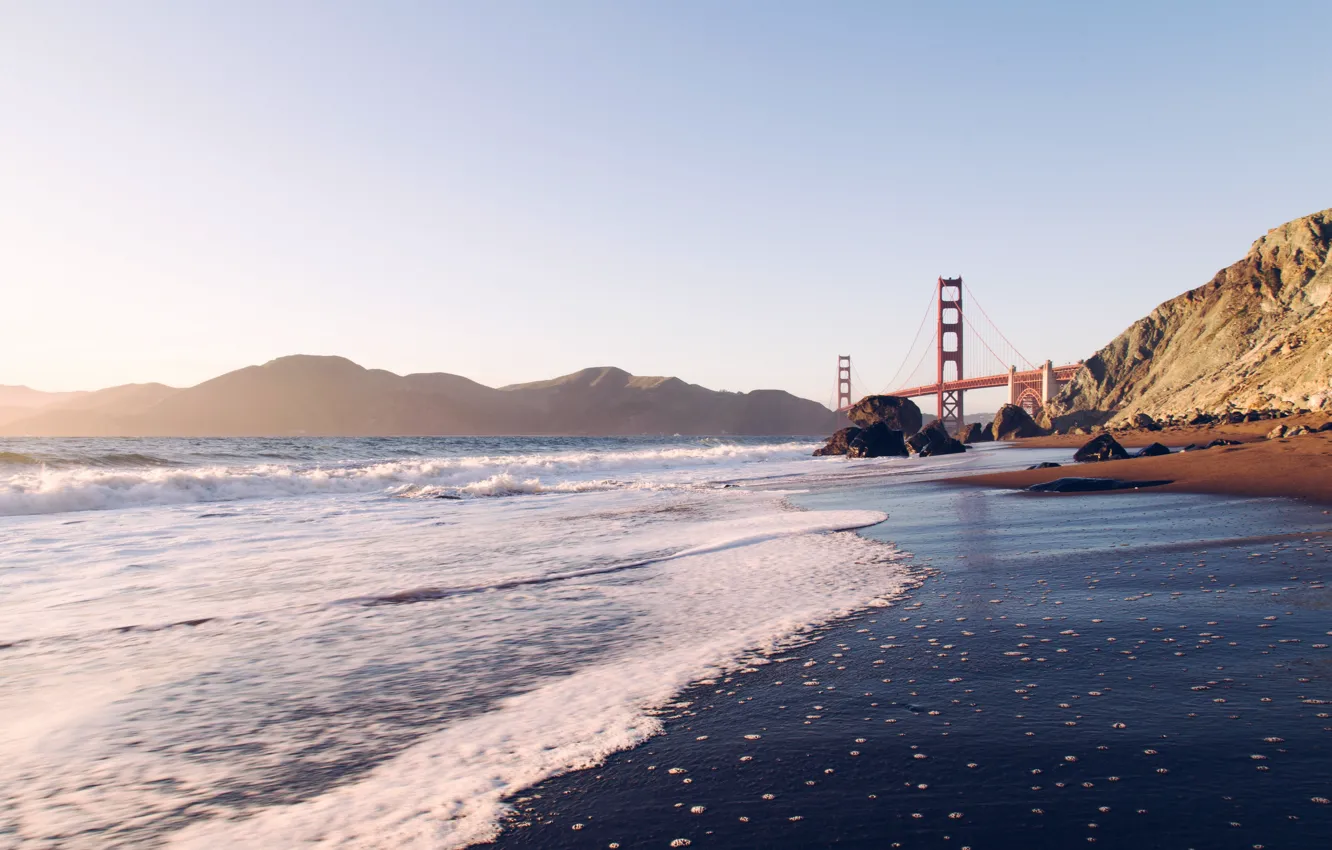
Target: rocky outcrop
974, 432
922, 438
838, 443
1075, 422
933, 440
1144, 422
900, 414
1012, 422
878, 440
1104, 447
1258, 335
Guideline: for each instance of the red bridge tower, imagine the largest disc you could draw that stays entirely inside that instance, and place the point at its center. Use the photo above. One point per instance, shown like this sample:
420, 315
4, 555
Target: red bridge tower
950, 351
843, 381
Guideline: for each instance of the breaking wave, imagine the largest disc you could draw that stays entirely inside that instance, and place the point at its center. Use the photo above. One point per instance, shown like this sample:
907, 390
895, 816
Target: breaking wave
31, 486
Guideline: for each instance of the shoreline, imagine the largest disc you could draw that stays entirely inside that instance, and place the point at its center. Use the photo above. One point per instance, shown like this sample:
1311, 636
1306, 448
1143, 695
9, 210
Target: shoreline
1295, 467
824, 745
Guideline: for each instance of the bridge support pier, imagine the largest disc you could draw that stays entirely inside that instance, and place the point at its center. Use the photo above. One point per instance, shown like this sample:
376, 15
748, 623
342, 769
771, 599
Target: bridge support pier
1013, 391
1048, 384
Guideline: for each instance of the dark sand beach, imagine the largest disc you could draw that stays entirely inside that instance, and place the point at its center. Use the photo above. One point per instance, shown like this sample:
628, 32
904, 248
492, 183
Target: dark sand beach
1295, 467
1147, 671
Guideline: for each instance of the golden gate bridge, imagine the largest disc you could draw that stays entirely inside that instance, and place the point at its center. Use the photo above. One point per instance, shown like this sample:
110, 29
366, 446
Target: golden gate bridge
963, 348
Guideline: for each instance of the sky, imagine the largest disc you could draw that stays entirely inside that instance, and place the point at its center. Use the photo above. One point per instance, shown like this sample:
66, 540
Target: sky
733, 192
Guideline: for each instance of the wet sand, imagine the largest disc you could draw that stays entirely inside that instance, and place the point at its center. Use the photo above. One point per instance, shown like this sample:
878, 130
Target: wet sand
1298, 467
1146, 671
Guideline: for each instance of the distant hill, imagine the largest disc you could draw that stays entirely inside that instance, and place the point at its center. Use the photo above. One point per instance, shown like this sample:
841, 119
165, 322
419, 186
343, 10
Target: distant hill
17, 399
332, 396
1259, 334
18, 402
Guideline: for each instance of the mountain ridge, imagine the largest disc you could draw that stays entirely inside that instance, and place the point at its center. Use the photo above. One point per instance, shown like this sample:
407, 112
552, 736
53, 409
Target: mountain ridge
319, 395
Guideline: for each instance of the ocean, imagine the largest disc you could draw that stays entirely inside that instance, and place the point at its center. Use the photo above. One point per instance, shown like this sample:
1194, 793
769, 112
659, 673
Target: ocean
567, 643
376, 642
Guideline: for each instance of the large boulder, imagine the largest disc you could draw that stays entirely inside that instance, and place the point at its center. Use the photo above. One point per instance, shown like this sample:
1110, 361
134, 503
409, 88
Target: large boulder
898, 413
1012, 423
838, 443
1145, 423
1154, 450
934, 440
918, 441
1104, 447
975, 433
878, 440
946, 446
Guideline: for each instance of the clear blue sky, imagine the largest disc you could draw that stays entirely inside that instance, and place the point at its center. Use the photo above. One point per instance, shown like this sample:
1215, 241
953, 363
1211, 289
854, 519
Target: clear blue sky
731, 192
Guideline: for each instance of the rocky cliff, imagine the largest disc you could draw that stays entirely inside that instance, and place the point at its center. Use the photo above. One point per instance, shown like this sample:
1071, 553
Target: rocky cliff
1258, 335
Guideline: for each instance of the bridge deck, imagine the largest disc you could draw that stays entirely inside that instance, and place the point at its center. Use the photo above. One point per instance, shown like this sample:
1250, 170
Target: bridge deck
1062, 374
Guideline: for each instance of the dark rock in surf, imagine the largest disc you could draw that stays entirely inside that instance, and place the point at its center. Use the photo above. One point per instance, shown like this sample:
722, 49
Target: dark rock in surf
1104, 447
975, 433
838, 443
946, 446
1046, 465
921, 440
933, 440
898, 413
1154, 450
1013, 423
1090, 485
1216, 443
878, 440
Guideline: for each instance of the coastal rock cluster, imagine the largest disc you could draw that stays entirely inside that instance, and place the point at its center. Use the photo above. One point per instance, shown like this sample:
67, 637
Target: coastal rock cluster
1144, 422
889, 426
1257, 337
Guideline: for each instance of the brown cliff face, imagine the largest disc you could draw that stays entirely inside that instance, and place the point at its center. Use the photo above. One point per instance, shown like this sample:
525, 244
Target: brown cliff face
1258, 335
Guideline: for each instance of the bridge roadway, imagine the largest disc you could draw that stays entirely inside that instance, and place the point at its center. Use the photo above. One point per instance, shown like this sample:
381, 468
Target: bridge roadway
1062, 374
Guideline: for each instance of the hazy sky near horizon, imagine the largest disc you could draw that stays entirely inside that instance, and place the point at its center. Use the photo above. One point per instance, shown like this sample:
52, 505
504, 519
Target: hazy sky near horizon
730, 192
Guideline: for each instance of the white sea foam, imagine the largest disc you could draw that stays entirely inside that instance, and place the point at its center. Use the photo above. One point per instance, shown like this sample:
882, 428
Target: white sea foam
736, 594
29, 490
444, 654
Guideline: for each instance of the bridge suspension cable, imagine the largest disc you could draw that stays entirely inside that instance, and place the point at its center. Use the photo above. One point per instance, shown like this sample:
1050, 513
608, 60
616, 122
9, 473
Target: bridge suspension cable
897, 379
1019, 358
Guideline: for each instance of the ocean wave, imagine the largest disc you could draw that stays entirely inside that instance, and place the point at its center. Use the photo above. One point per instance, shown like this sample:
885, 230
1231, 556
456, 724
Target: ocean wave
128, 460
46, 489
